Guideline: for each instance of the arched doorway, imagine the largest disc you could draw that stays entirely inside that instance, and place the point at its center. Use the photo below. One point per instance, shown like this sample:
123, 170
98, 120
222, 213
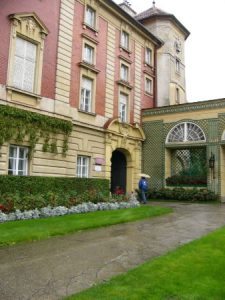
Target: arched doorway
118, 171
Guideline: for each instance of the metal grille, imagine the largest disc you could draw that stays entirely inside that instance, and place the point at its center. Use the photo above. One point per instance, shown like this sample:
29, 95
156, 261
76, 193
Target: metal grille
189, 162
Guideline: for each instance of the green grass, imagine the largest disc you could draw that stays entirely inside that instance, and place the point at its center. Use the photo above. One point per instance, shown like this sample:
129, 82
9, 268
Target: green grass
31, 230
192, 272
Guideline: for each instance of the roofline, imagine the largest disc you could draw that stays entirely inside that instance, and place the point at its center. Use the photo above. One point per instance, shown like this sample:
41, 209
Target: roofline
131, 19
185, 107
171, 17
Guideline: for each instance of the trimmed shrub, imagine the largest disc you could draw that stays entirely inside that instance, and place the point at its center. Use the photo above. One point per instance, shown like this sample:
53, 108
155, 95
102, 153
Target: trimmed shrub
38, 184
186, 180
182, 194
30, 192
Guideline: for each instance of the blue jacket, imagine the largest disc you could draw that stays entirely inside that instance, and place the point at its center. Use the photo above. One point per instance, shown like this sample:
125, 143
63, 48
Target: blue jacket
143, 184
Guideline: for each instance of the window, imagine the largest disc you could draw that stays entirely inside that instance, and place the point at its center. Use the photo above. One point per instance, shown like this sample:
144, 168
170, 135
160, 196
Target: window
177, 96
125, 39
177, 66
124, 72
88, 54
83, 166
148, 85
26, 51
90, 16
186, 132
18, 161
148, 56
24, 65
86, 94
123, 107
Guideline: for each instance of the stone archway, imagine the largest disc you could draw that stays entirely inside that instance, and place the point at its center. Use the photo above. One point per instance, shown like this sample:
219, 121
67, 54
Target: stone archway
125, 140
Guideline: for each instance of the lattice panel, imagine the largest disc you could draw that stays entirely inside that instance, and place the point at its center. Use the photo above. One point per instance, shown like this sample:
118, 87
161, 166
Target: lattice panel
154, 153
189, 162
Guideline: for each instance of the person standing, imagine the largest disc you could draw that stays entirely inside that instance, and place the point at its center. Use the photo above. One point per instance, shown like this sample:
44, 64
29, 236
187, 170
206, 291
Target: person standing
143, 186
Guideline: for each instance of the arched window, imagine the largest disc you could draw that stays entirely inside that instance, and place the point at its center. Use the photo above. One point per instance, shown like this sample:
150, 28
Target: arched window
185, 132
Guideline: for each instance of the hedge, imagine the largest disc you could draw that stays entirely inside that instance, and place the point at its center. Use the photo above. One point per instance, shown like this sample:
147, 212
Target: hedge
31, 192
25, 185
182, 194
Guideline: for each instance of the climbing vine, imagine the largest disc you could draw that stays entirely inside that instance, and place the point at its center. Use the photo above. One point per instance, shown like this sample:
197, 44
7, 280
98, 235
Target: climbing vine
19, 124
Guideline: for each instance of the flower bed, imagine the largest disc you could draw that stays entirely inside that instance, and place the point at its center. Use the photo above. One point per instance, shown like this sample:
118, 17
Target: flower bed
62, 210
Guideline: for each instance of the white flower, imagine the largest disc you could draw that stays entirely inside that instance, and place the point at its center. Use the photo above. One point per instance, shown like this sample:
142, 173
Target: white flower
61, 210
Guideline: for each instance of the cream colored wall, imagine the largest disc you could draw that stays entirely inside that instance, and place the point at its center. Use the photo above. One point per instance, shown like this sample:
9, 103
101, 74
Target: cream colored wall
63, 68
83, 141
167, 77
138, 82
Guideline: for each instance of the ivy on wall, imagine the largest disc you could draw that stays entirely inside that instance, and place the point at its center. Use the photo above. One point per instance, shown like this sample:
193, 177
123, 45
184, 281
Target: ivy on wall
19, 124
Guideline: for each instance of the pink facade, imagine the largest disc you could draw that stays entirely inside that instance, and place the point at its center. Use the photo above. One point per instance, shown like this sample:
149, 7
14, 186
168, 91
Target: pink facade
49, 15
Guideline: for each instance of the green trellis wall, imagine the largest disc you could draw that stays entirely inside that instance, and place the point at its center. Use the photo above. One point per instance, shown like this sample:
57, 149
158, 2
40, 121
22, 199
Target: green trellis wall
154, 148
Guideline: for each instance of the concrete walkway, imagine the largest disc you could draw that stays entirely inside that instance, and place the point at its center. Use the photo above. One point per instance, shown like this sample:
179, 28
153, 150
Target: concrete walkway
62, 266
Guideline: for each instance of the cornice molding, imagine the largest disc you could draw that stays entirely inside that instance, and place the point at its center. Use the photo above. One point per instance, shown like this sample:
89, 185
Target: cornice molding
187, 107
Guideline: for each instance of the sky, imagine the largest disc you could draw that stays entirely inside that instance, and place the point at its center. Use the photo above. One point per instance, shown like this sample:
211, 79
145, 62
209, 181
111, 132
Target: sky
204, 48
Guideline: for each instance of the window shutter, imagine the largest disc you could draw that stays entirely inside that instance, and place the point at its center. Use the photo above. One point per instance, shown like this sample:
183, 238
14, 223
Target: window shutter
24, 65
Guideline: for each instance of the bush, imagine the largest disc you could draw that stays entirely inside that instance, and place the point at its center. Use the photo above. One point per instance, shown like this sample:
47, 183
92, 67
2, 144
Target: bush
30, 192
182, 194
39, 184
186, 180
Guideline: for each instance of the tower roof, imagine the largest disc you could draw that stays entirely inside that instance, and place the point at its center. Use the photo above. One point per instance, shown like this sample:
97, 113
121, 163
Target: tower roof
157, 13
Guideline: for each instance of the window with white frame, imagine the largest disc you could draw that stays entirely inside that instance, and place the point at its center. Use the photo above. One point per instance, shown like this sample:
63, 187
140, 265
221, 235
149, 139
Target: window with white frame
18, 160
148, 56
123, 103
177, 66
83, 166
124, 39
124, 72
186, 132
148, 85
90, 16
86, 94
88, 54
24, 65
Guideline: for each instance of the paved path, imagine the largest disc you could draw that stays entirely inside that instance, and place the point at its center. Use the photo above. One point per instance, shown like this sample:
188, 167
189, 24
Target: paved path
61, 266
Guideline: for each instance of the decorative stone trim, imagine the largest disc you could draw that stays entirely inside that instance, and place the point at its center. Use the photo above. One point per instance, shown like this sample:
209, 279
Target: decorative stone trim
212, 104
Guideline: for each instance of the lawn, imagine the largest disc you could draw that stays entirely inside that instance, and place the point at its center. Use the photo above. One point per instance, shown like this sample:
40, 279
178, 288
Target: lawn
195, 271
31, 230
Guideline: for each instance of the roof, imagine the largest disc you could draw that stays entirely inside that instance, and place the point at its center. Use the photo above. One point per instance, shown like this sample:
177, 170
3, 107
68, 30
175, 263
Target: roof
155, 12
134, 22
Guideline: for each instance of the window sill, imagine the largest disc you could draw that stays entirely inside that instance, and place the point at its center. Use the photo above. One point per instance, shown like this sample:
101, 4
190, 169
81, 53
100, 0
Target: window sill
85, 25
125, 83
89, 66
22, 96
148, 65
86, 112
11, 88
122, 48
148, 94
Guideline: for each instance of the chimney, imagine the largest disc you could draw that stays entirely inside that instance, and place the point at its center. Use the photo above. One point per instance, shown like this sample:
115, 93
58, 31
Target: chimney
126, 6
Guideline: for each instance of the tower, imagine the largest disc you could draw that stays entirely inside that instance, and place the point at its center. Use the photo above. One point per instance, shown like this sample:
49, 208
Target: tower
170, 57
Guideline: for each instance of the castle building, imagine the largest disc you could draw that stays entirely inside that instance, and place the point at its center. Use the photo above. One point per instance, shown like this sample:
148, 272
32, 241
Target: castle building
86, 62
89, 88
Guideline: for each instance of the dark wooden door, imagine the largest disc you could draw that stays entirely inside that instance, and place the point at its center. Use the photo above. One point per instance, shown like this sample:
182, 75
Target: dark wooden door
118, 171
